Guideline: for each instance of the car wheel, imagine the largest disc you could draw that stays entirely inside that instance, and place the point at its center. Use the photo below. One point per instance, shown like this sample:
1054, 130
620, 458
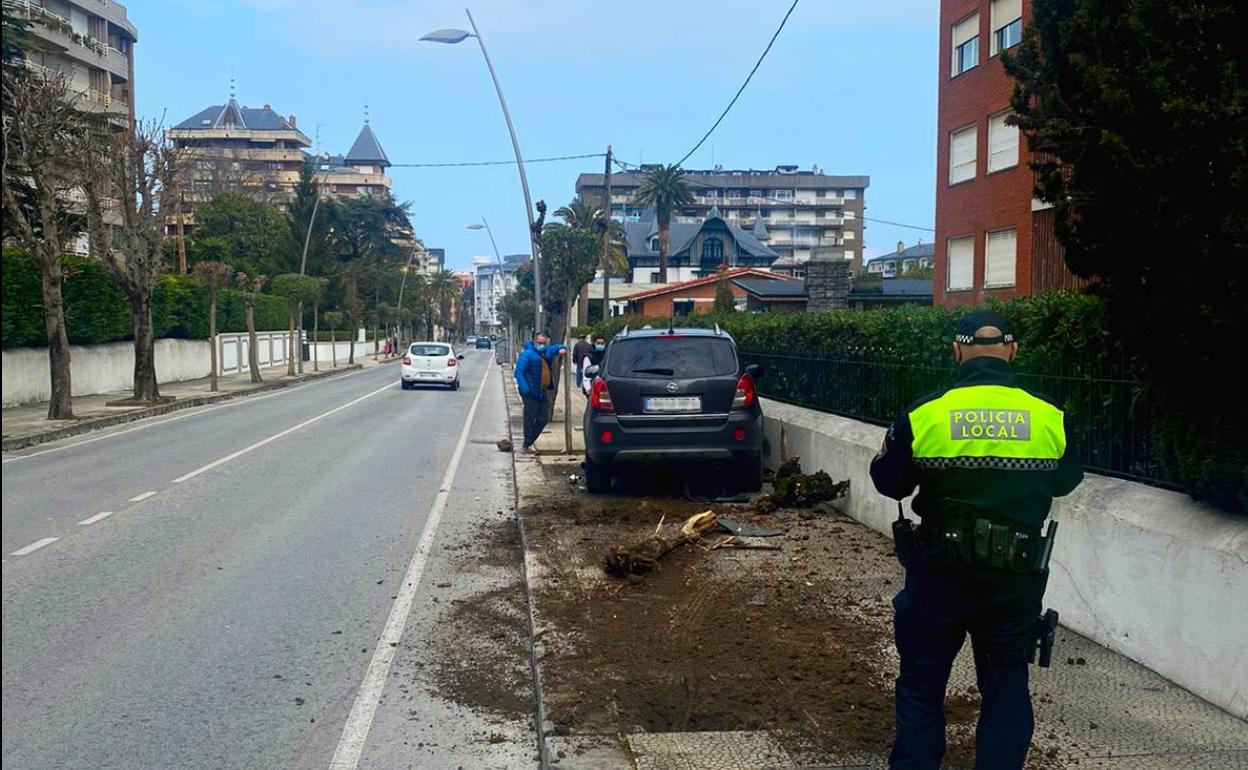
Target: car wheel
404, 384
750, 473
455, 384
597, 477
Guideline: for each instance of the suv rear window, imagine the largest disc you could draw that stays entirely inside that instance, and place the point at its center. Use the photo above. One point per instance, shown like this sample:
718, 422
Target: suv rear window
430, 350
672, 357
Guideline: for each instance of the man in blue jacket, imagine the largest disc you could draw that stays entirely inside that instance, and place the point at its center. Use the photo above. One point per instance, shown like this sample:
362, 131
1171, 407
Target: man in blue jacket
534, 377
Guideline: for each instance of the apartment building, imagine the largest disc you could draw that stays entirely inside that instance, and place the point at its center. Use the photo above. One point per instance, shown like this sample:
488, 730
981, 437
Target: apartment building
362, 171
231, 148
993, 239
491, 283
795, 213
92, 43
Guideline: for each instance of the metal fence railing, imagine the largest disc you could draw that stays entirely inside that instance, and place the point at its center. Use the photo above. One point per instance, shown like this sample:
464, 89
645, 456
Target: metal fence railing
1109, 413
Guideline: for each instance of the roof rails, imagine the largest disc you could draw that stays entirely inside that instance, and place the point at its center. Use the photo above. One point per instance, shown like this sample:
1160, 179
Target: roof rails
718, 330
623, 332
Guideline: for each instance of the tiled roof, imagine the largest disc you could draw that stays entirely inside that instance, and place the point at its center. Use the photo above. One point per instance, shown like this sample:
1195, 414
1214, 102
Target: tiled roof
917, 251
739, 272
768, 289
230, 114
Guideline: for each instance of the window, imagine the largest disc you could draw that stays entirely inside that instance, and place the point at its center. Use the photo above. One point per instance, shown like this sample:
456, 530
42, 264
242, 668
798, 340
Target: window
1002, 143
1007, 25
962, 154
782, 195
848, 215
1000, 251
965, 44
850, 195
961, 263
712, 252
676, 357
849, 235
654, 276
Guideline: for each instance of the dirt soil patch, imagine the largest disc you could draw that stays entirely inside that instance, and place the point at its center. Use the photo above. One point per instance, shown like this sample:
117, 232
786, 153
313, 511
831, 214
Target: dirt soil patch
796, 641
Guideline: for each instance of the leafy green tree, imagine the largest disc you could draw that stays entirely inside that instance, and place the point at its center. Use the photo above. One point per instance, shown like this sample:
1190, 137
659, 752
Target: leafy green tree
586, 215
368, 242
571, 256
297, 290
666, 189
1135, 113
250, 286
245, 234
214, 276
333, 319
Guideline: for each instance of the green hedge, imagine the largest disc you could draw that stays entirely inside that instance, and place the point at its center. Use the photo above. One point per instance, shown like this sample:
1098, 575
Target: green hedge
871, 365
97, 311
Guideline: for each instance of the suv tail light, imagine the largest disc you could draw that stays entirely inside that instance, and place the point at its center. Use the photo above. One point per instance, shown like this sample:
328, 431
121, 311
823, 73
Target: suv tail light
745, 396
600, 397
407, 360
450, 362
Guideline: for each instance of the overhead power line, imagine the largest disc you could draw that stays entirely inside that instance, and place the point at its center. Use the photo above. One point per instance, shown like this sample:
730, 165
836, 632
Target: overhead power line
742, 88
900, 224
497, 162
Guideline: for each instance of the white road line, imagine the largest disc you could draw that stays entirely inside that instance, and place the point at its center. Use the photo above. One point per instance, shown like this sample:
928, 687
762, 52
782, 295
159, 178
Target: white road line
355, 732
142, 497
35, 546
276, 436
97, 517
193, 412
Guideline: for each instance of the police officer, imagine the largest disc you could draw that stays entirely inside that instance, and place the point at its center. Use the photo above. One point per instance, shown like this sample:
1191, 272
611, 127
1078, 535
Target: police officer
988, 458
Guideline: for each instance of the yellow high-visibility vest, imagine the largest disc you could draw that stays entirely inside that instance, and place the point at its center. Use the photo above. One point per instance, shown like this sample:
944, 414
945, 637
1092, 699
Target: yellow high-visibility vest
988, 426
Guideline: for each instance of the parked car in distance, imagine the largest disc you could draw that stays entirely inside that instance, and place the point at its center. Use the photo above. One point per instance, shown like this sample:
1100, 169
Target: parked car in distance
673, 396
471, 339
430, 363
483, 343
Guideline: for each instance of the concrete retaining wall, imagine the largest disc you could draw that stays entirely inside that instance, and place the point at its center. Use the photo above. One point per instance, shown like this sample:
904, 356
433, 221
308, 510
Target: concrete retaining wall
107, 368
1148, 573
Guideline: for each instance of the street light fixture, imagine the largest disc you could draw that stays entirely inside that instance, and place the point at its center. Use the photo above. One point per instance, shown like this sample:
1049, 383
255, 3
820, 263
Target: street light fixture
451, 37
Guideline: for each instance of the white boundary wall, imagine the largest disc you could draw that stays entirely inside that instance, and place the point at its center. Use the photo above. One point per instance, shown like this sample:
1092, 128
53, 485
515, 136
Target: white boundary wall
107, 368
1148, 573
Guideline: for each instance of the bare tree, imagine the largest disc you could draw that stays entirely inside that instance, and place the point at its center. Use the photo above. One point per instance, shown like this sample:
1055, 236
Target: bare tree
40, 175
250, 287
131, 172
214, 276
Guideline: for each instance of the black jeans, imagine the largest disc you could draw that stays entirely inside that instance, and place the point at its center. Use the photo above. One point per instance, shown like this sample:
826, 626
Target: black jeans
534, 419
933, 614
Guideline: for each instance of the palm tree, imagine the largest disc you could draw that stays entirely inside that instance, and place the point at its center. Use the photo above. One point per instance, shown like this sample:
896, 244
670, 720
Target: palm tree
443, 290
585, 215
665, 188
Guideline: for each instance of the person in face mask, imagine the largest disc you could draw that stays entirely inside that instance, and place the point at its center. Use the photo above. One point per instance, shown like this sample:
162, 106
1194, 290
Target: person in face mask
593, 357
533, 373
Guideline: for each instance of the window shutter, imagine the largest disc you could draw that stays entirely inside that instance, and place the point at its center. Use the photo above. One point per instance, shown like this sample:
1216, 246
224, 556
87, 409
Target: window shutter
1002, 143
962, 154
1000, 252
1004, 12
965, 30
961, 262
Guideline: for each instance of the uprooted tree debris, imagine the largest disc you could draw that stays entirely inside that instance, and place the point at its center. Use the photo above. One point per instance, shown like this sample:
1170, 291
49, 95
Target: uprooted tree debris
644, 556
794, 489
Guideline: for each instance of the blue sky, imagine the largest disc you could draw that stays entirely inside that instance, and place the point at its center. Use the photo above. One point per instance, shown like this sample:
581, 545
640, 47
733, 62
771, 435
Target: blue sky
850, 87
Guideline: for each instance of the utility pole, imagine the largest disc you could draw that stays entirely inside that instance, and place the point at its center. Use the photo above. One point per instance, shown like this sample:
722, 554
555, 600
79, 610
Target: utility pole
606, 240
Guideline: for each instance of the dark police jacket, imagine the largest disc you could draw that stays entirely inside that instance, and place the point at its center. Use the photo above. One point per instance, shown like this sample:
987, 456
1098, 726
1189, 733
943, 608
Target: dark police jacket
982, 448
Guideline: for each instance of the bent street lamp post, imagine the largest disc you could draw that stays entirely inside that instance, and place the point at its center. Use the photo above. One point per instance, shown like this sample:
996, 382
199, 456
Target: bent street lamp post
450, 37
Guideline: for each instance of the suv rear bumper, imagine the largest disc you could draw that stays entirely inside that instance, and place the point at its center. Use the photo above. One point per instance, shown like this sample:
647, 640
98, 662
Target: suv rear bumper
660, 442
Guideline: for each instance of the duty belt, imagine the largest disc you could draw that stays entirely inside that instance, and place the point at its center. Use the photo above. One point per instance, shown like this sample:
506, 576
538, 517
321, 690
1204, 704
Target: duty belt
982, 542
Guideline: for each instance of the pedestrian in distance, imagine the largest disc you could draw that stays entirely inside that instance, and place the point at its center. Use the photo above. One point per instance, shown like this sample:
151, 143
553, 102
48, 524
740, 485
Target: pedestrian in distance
987, 458
593, 357
579, 351
534, 375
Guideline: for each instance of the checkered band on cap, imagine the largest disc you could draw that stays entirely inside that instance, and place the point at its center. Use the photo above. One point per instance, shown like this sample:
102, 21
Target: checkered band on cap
996, 463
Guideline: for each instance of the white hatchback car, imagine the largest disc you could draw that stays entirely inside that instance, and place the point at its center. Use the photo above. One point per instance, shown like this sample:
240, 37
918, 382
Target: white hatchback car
431, 363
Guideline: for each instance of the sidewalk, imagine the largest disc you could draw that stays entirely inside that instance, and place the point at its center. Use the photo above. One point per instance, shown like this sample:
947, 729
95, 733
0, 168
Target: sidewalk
784, 658
27, 425
552, 440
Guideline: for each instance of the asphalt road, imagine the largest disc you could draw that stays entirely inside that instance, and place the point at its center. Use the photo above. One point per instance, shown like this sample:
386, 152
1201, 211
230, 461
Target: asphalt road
325, 576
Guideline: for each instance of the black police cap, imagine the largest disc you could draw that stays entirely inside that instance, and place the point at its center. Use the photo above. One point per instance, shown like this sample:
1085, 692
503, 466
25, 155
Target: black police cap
977, 320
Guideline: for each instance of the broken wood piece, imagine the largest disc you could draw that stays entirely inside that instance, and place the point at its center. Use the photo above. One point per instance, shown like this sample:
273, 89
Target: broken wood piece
644, 556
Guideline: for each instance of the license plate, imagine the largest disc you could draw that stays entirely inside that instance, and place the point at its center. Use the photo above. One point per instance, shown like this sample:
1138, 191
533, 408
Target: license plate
427, 374
664, 404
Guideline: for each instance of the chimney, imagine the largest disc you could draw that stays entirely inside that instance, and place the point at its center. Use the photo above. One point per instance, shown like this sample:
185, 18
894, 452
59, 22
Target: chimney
900, 247
293, 123
267, 107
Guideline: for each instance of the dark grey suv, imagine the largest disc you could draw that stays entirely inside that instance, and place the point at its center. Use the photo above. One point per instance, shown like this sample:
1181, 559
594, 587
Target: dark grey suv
673, 396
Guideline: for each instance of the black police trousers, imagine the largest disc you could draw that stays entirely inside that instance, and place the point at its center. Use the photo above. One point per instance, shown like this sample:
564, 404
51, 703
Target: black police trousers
933, 614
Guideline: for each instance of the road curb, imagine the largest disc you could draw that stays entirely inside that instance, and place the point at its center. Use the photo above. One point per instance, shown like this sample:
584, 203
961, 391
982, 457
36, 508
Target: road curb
97, 423
519, 463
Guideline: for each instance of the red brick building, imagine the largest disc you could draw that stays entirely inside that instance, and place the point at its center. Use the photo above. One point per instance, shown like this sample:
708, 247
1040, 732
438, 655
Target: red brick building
696, 296
993, 240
